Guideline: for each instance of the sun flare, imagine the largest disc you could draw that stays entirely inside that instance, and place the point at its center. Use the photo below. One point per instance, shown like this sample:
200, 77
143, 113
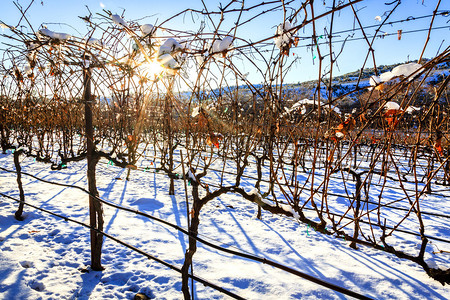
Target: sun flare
152, 69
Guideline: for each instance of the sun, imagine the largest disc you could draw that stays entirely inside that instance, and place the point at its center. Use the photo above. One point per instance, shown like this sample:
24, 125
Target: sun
148, 71
151, 69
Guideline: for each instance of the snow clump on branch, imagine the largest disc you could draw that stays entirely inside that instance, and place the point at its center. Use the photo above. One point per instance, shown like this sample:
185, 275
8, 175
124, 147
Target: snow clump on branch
301, 105
44, 32
386, 76
168, 62
405, 70
170, 46
118, 20
94, 42
166, 52
148, 29
284, 37
195, 111
374, 81
394, 106
220, 47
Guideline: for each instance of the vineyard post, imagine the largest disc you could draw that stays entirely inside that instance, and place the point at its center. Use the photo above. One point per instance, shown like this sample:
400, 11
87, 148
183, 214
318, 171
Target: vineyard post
168, 106
95, 207
18, 214
357, 197
429, 173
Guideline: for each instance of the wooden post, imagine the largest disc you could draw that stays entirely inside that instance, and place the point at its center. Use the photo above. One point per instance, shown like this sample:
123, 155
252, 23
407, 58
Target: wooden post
429, 173
95, 207
18, 214
358, 206
169, 131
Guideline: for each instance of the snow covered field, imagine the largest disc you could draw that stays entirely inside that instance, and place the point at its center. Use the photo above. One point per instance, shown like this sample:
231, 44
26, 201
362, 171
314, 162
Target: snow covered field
45, 257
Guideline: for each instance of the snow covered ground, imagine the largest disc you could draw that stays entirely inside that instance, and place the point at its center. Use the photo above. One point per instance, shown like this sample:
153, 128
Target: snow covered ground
45, 257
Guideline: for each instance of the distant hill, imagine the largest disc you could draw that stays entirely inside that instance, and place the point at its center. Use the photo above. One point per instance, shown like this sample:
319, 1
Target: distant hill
347, 88
345, 84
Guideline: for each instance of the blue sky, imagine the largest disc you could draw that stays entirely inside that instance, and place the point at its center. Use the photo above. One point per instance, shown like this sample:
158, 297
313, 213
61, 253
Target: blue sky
62, 16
